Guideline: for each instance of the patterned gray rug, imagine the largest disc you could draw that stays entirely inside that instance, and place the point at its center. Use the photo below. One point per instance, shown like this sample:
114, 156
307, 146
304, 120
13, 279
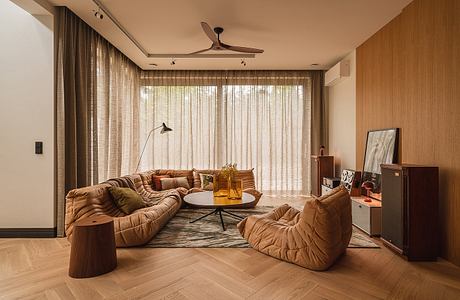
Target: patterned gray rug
207, 233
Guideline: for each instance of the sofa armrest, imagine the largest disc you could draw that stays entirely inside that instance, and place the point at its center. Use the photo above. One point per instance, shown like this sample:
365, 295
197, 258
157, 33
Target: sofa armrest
87, 201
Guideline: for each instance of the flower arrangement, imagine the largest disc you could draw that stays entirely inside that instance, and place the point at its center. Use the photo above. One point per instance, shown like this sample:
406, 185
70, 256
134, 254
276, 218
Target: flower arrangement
229, 171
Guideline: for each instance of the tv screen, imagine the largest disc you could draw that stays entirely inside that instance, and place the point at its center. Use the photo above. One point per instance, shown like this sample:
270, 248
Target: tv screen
381, 148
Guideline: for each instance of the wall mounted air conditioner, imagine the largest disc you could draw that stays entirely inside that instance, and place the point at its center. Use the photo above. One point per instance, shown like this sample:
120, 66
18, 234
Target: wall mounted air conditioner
335, 74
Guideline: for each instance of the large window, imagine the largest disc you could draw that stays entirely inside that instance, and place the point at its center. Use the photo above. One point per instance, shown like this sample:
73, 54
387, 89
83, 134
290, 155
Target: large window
261, 126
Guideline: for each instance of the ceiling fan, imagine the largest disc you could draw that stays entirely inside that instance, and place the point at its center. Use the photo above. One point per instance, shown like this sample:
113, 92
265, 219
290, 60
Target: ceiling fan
218, 45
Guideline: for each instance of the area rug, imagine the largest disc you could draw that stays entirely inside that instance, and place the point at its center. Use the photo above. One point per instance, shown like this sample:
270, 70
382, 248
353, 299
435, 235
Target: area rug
208, 233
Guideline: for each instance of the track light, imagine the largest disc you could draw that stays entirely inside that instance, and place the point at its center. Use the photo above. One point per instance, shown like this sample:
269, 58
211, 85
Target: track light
173, 62
243, 62
98, 14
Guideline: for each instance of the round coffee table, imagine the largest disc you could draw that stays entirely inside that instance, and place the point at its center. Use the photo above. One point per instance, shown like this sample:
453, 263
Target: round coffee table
207, 200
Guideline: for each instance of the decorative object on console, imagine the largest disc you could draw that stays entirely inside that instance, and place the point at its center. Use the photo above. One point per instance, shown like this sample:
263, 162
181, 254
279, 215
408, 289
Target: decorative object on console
321, 166
331, 182
381, 148
328, 184
369, 186
350, 180
164, 129
410, 197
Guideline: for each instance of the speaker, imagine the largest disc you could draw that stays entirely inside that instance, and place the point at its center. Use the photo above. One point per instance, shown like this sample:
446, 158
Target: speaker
350, 179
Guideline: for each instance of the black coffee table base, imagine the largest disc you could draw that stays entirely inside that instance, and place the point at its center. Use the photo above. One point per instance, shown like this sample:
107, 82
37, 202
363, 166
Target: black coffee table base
219, 211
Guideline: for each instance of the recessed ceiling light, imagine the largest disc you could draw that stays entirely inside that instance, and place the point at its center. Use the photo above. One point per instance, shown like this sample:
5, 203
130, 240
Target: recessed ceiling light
153, 65
314, 65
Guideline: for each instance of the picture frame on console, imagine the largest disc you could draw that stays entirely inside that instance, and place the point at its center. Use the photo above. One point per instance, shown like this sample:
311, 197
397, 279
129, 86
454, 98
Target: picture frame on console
381, 148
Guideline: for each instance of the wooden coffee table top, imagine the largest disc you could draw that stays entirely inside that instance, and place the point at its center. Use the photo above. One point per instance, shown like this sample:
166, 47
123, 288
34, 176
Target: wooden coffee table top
207, 199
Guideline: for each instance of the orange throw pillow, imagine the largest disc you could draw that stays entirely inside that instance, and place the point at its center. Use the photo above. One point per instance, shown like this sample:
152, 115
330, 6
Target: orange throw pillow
156, 180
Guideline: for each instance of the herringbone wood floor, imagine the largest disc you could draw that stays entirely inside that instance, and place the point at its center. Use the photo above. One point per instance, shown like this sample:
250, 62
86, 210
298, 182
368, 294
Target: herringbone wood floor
37, 269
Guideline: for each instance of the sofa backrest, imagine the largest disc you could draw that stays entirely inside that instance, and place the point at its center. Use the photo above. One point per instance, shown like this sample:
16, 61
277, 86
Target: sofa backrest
330, 216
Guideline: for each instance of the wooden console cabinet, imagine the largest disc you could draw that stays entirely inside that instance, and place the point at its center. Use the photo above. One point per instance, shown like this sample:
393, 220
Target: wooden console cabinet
321, 166
410, 210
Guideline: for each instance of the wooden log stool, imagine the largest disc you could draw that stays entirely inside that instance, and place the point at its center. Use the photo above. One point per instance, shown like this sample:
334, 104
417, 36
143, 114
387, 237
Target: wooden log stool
93, 250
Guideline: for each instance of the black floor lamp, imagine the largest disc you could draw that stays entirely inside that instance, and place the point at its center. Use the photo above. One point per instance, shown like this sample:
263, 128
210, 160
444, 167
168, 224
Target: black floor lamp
164, 129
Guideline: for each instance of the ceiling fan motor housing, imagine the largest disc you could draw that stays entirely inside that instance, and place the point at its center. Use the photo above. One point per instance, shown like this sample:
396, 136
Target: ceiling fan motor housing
218, 30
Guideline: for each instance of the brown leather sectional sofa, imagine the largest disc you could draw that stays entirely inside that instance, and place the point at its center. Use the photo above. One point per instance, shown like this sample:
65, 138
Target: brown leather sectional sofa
142, 225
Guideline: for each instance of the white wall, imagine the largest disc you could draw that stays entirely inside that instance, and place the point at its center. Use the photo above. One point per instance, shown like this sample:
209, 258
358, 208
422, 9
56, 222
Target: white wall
26, 116
342, 119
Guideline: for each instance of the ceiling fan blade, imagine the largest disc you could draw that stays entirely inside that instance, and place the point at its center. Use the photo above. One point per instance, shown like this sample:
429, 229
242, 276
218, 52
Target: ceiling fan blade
242, 49
209, 32
201, 51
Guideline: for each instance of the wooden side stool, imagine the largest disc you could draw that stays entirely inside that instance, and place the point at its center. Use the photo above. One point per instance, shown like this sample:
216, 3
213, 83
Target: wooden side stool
93, 249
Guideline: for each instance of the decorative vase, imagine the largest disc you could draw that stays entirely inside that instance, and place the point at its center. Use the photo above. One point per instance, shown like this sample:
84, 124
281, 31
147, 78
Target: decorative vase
219, 187
235, 189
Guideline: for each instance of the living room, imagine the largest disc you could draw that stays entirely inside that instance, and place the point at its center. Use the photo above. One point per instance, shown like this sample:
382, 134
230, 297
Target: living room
230, 149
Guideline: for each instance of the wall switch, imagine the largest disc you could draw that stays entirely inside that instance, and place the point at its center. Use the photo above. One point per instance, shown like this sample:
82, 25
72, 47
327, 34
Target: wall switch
38, 147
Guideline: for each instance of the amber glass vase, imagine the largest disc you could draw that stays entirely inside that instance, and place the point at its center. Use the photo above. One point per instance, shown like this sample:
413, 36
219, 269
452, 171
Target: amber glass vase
219, 186
235, 189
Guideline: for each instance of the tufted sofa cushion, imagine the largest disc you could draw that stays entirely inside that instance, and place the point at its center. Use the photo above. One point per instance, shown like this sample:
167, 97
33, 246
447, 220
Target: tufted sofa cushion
313, 238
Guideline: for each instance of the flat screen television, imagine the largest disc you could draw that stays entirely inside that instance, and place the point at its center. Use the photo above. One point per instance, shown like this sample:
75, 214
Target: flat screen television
381, 148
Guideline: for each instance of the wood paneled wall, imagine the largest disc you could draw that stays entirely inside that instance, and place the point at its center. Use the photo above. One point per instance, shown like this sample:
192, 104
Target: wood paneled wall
408, 77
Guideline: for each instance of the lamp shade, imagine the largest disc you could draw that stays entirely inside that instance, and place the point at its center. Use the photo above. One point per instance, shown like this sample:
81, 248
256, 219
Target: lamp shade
164, 128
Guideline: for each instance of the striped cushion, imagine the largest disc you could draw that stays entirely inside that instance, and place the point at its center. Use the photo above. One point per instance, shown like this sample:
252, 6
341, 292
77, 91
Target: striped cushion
177, 173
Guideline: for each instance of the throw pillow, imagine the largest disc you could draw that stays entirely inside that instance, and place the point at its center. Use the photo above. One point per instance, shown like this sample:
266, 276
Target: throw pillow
126, 199
173, 183
156, 180
207, 181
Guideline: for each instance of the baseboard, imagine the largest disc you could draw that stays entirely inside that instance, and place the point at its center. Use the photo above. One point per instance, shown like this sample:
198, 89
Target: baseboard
27, 232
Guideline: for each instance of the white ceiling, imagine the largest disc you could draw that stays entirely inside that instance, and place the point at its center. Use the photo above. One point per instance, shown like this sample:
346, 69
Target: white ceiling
293, 33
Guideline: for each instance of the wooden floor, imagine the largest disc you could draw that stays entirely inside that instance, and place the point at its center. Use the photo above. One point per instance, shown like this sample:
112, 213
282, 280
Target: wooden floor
37, 269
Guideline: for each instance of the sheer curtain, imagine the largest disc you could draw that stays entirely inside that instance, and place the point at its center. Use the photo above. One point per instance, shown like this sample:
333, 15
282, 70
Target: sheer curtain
97, 109
115, 140
187, 101
257, 119
267, 127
